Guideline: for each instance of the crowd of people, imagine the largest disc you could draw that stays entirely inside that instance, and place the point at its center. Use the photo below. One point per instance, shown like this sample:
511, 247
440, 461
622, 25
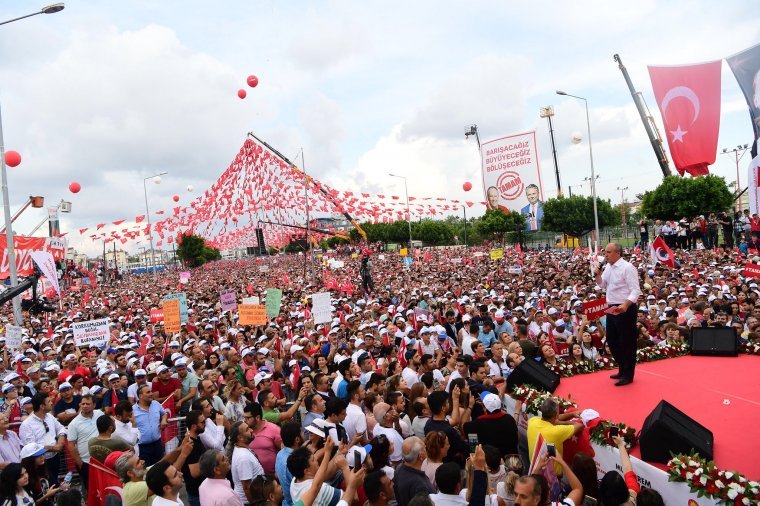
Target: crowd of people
399, 399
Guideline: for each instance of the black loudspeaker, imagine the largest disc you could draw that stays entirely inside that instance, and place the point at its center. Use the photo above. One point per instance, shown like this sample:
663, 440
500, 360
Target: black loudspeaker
530, 372
668, 430
716, 341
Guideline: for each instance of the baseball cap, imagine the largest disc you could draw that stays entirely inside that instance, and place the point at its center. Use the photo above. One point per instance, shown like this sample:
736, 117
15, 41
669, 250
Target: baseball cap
491, 401
363, 452
32, 450
260, 376
64, 386
140, 372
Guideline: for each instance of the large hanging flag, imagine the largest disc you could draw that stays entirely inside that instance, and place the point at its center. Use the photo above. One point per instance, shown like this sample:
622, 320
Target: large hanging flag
689, 100
746, 69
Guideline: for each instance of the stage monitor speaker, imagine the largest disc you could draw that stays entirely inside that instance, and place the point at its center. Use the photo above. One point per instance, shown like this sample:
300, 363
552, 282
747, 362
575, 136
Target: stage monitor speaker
716, 341
668, 430
530, 372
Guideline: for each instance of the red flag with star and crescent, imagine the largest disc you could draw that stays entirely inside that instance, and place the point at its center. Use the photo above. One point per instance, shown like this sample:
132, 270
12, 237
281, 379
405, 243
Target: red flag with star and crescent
689, 100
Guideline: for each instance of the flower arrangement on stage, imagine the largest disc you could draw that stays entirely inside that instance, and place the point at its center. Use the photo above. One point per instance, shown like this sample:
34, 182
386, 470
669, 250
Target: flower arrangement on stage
601, 434
705, 479
532, 399
669, 350
605, 362
749, 347
567, 369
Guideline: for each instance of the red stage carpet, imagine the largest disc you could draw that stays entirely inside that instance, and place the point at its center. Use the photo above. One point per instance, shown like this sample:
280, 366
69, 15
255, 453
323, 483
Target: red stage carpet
721, 393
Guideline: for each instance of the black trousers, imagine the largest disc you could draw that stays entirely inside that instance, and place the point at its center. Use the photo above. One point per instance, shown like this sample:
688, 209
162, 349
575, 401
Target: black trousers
151, 452
621, 336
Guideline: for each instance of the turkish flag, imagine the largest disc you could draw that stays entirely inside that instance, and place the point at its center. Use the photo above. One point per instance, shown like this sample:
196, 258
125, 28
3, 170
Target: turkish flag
660, 252
689, 100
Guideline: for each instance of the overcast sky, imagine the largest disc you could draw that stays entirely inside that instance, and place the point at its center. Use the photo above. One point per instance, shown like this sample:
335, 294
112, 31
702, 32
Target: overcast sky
106, 93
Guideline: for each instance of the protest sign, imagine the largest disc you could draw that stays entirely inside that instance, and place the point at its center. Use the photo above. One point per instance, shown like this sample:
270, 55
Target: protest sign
184, 277
424, 313
274, 300
263, 268
228, 298
403, 252
91, 332
13, 337
156, 315
497, 254
514, 269
321, 307
251, 300
751, 270
182, 298
594, 309
252, 314
172, 316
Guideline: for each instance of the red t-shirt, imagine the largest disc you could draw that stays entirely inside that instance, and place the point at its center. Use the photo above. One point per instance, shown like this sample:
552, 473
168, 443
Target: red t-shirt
164, 390
66, 374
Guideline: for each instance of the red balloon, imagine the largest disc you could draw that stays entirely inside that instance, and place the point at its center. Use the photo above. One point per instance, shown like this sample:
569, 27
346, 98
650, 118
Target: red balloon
175, 198
253, 81
12, 158
241, 93
467, 186
75, 187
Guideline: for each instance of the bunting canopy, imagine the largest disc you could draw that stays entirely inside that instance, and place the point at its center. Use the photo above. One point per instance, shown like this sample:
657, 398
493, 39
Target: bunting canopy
261, 190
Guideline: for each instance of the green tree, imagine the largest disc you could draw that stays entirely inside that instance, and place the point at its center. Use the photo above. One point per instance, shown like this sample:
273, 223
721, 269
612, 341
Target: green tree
194, 251
497, 223
434, 232
574, 215
677, 197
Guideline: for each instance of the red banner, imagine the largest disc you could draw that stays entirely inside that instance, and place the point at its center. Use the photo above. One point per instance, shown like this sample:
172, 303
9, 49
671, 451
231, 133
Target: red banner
172, 429
594, 309
751, 270
23, 247
156, 315
689, 100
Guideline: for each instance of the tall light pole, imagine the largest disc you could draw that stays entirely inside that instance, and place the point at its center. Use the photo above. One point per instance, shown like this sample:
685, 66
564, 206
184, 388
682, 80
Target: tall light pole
623, 209
743, 149
408, 214
157, 180
17, 318
593, 178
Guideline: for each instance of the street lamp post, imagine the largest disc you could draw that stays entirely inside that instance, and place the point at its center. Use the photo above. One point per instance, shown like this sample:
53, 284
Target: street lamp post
408, 214
593, 178
17, 317
157, 178
743, 149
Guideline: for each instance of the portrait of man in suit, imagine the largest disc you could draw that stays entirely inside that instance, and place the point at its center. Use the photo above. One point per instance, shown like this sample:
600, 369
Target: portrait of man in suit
492, 197
534, 211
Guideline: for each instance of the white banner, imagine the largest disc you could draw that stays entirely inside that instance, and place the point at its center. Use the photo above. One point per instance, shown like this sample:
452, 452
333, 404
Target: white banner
321, 307
91, 332
753, 188
512, 177
677, 494
45, 262
13, 337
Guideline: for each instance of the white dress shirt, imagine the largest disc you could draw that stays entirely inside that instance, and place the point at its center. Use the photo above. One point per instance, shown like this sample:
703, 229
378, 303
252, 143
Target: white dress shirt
213, 435
621, 281
33, 430
127, 433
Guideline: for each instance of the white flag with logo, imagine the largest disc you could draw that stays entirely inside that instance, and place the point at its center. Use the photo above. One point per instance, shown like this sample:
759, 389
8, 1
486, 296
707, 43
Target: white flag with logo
45, 262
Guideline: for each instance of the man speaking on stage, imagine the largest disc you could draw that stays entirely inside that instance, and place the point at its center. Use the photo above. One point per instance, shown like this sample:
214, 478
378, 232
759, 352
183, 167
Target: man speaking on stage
621, 281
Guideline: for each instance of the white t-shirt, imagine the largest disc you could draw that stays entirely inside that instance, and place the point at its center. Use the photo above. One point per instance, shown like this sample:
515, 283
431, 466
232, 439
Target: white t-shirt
355, 422
394, 437
245, 466
410, 376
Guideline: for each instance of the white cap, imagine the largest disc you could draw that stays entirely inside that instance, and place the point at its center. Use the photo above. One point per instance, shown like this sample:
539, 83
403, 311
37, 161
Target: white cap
491, 402
260, 376
161, 368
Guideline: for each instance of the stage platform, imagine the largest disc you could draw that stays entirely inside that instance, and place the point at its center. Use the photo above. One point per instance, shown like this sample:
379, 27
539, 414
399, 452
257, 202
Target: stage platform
721, 393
